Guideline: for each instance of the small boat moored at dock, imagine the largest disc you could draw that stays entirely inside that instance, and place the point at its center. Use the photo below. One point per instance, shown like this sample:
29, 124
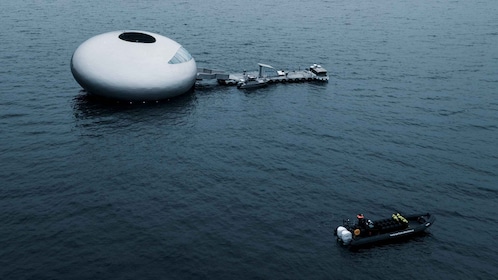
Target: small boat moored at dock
250, 81
320, 72
366, 232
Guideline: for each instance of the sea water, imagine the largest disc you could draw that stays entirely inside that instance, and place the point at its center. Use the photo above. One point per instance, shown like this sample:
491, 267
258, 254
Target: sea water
223, 183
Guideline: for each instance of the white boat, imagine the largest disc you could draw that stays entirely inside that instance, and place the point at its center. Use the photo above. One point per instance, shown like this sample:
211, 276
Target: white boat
320, 72
250, 81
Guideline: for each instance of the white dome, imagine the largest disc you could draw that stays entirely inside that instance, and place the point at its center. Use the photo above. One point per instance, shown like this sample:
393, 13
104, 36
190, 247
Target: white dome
133, 65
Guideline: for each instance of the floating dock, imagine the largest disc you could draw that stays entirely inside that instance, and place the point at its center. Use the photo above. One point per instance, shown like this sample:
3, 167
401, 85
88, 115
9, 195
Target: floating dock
266, 75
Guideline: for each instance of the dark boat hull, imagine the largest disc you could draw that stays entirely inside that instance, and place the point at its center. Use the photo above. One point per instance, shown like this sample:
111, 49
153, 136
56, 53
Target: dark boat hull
417, 224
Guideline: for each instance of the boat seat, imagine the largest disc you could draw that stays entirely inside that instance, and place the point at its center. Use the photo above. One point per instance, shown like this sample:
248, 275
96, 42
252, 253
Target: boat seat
387, 225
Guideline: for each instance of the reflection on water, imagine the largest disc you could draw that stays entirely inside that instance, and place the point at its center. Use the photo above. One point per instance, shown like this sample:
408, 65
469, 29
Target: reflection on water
90, 110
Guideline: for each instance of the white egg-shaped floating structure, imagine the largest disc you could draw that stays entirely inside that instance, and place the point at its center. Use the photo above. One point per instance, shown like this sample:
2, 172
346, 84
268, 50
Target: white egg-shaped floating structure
133, 66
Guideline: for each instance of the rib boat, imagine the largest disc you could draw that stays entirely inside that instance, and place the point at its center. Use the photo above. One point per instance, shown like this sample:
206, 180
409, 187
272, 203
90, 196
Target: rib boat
367, 232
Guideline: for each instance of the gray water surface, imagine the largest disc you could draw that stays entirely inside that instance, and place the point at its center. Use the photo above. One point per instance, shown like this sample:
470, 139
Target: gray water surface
229, 184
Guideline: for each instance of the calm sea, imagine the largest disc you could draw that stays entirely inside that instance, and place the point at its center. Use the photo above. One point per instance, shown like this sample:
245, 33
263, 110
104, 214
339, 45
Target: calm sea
229, 184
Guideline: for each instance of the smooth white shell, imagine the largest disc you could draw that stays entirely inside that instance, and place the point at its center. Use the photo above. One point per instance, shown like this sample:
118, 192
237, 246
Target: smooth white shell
109, 66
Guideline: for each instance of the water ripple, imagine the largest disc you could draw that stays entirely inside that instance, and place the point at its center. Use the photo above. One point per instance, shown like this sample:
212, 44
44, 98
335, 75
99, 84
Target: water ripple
222, 183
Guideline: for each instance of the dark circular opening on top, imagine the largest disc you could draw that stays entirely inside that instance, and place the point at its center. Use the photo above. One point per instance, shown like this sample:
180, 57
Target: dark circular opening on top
137, 37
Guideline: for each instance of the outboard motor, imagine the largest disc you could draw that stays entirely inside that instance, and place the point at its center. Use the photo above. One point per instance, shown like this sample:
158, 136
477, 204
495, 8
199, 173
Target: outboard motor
344, 235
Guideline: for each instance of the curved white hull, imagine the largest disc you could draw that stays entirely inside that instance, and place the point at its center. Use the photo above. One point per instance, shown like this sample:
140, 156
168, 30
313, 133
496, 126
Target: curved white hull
111, 67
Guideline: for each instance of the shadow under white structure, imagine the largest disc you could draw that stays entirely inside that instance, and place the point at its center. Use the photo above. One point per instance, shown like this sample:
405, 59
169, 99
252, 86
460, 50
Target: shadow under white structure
133, 66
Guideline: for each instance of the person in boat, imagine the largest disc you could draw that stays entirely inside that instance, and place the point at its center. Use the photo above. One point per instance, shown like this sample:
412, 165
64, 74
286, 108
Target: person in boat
365, 226
362, 224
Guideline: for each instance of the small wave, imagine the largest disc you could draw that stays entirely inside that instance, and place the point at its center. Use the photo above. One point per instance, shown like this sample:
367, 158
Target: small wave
447, 113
